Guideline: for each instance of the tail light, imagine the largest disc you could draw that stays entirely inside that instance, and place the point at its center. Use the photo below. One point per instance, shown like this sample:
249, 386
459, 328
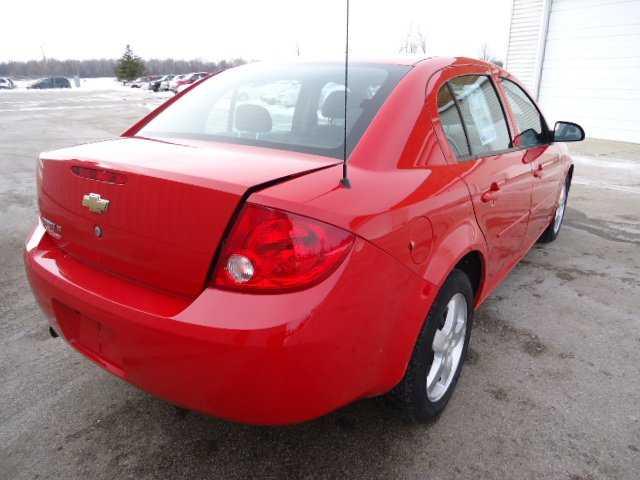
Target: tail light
272, 251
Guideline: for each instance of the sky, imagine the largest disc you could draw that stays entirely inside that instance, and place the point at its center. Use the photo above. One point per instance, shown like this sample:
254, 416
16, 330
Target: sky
254, 30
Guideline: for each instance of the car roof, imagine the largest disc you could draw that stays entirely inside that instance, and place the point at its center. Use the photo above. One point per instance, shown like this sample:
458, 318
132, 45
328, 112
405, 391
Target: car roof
412, 61
409, 61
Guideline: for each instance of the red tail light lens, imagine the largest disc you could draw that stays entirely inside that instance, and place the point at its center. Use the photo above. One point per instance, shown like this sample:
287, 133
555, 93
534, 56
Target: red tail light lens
273, 251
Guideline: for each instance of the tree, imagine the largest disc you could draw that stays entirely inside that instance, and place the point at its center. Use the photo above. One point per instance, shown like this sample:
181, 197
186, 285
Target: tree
105, 67
414, 42
130, 66
485, 54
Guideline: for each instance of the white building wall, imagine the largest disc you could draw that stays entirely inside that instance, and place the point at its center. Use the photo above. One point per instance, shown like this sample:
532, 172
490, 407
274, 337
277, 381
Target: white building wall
526, 41
591, 67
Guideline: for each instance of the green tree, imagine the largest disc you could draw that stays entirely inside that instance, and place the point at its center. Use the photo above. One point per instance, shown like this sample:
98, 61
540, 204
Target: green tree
130, 66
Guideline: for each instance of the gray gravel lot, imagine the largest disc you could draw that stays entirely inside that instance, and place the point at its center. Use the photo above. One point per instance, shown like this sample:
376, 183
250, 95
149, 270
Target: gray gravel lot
551, 388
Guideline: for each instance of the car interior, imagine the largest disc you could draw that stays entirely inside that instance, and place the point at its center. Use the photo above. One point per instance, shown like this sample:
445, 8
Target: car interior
296, 109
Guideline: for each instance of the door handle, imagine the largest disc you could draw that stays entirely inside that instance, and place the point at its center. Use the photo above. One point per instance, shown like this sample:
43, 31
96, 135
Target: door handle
538, 172
490, 195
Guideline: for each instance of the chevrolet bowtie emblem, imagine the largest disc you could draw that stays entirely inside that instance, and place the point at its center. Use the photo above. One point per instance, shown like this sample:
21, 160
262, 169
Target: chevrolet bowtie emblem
95, 203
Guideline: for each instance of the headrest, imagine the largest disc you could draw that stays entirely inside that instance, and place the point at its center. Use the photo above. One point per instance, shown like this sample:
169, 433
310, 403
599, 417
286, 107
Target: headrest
333, 106
253, 119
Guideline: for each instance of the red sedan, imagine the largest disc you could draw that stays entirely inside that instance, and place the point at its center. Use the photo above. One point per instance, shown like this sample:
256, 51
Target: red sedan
187, 80
214, 257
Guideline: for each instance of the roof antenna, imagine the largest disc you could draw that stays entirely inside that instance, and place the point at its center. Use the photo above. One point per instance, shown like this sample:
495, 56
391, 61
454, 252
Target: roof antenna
345, 180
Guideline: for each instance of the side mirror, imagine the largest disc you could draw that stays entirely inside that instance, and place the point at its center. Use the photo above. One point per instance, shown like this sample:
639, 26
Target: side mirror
567, 132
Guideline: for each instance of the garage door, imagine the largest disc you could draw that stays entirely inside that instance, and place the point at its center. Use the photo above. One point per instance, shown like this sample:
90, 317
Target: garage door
591, 67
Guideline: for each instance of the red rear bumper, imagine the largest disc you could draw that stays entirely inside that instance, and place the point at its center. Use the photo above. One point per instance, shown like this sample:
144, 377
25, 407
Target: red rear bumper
262, 359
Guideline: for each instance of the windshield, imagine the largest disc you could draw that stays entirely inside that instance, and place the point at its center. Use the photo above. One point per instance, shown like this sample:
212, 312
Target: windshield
297, 107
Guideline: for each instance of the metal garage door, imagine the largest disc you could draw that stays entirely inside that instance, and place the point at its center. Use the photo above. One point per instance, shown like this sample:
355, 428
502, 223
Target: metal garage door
591, 67
526, 33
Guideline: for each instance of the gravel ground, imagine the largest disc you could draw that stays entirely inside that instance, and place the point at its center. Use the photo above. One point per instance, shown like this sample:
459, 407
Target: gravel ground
551, 388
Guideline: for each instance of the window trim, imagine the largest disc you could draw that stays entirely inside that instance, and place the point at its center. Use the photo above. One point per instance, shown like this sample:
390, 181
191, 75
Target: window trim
508, 119
464, 125
545, 126
475, 156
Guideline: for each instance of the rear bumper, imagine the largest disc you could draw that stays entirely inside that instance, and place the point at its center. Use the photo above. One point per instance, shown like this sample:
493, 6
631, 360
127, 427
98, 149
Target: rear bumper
260, 359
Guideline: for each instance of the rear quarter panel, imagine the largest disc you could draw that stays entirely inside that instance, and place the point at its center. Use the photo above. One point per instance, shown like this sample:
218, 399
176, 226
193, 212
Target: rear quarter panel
405, 199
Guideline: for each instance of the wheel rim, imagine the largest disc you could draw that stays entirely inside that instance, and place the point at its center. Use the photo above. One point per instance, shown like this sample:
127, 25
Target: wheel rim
447, 346
562, 202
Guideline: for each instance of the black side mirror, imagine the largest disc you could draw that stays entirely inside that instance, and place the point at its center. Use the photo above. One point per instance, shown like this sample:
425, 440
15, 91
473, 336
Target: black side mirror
567, 132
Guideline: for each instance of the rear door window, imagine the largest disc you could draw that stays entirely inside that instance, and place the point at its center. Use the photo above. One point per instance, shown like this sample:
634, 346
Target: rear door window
531, 129
452, 122
482, 114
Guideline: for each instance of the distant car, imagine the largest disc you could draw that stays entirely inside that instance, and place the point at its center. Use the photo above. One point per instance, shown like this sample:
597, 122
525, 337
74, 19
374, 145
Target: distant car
164, 85
6, 84
173, 83
156, 86
151, 81
51, 82
188, 80
140, 82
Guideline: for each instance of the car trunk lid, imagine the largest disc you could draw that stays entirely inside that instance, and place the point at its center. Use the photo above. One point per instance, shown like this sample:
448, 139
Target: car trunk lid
166, 205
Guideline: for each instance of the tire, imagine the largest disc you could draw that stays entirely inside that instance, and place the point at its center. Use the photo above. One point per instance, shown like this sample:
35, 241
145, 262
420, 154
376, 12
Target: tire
552, 231
420, 400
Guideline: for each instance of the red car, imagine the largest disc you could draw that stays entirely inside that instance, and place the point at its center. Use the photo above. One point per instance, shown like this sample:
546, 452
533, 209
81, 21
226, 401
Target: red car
213, 256
187, 80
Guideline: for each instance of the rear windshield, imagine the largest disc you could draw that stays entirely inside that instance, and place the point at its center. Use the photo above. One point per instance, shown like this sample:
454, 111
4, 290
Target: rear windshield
291, 107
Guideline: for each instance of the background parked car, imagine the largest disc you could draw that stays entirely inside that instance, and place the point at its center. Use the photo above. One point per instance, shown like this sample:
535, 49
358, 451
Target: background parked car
156, 85
173, 83
6, 83
165, 84
139, 82
187, 80
51, 82
151, 81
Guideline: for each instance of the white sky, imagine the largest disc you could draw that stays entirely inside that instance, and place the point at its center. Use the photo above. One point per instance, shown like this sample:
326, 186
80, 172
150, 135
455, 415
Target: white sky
258, 30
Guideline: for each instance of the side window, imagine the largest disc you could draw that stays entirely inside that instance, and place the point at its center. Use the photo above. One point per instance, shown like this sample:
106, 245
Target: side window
528, 118
452, 123
482, 114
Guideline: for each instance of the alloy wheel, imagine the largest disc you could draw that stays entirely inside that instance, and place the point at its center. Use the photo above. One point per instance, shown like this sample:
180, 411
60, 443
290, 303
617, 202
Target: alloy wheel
447, 347
562, 202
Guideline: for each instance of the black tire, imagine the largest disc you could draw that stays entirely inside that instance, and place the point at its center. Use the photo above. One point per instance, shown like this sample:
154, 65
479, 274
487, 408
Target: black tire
551, 233
411, 393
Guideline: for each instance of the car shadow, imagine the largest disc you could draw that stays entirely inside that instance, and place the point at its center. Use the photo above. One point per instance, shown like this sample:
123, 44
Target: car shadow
148, 438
